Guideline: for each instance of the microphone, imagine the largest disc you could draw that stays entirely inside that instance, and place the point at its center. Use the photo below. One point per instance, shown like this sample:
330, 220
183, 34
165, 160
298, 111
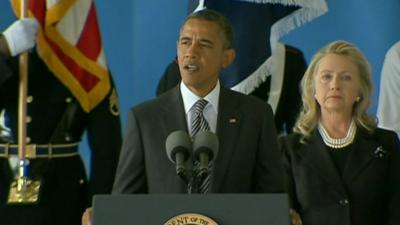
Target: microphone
205, 150
179, 147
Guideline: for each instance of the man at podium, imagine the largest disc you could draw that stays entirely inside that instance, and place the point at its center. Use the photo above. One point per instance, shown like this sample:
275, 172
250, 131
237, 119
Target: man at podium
248, 160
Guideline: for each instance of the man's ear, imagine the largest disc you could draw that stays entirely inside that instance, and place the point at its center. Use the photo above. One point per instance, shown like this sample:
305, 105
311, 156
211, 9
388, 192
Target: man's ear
229, 56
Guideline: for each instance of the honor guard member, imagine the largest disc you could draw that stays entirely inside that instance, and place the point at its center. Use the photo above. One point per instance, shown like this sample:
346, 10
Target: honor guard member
55, 124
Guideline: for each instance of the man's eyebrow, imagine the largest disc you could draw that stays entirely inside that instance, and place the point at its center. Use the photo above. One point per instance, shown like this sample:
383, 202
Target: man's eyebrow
202, 40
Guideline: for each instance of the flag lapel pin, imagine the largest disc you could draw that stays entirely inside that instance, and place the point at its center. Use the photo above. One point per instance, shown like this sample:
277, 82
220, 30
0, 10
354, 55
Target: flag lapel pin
232, 120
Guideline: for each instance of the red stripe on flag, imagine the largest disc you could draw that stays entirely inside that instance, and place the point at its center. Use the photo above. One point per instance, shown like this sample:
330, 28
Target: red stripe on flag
89, 41
38, 8
85, 78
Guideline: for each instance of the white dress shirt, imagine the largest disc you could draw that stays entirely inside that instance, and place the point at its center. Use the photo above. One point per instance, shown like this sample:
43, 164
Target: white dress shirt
210, 111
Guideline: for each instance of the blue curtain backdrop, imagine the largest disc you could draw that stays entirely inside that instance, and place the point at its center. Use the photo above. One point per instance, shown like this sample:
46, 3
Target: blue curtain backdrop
140, 38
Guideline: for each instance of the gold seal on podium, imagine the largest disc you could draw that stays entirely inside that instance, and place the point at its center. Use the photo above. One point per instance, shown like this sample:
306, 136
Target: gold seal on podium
190, 219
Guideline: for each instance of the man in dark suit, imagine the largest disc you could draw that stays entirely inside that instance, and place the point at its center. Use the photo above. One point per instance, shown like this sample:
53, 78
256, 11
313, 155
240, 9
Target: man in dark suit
248, 158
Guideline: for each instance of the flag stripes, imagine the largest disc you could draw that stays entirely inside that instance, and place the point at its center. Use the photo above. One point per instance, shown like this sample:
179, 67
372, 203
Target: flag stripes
69, 43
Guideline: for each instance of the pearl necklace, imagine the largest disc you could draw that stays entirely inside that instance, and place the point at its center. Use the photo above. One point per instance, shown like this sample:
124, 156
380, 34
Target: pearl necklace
338, 142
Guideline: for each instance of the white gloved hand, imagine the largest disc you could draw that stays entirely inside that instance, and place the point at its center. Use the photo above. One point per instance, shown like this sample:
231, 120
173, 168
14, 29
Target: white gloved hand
21, 35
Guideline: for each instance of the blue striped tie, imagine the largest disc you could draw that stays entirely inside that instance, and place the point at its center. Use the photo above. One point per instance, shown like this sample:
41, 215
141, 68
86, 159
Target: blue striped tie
199, 123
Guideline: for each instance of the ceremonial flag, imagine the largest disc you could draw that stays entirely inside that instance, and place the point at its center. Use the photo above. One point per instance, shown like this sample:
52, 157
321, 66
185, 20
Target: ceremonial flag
69, 43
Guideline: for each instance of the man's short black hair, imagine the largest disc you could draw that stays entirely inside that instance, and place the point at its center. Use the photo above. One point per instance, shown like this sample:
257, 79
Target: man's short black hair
217, 18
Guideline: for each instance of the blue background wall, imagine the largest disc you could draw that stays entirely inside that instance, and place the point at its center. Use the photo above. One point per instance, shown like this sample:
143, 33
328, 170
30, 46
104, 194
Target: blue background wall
140, 38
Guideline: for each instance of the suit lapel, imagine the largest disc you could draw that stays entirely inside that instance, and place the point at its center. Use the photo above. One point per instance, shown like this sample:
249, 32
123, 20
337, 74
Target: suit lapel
361, 155
173, 114
172, 118
228, 124
319, 159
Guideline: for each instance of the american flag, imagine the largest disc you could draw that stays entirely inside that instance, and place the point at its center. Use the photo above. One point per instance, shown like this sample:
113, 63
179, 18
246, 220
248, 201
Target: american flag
69, 42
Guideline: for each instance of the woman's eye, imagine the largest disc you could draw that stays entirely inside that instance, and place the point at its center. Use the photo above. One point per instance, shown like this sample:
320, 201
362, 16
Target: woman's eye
326, 77
346, 77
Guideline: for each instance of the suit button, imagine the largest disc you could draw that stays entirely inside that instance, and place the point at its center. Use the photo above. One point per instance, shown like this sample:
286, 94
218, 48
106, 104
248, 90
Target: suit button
343, 202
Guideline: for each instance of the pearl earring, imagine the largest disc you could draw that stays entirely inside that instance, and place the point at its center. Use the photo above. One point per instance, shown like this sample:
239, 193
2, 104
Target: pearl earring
358, 99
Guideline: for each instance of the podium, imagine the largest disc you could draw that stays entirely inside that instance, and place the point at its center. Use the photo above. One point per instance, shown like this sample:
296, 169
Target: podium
158, 209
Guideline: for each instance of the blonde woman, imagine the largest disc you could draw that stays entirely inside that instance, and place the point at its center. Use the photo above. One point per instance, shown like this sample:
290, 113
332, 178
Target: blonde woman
342, 169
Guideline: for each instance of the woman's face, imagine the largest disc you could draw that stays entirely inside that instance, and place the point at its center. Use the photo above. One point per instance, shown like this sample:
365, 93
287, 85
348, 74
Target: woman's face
337, 84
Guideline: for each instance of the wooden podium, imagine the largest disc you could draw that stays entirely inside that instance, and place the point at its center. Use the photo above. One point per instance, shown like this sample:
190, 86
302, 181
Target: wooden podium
158, 209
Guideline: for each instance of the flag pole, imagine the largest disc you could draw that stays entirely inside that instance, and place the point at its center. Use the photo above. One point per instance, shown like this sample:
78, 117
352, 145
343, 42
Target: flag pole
23, 190
23, 89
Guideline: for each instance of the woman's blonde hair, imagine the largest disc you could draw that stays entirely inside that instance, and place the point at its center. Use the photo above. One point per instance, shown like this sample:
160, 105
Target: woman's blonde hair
309, 116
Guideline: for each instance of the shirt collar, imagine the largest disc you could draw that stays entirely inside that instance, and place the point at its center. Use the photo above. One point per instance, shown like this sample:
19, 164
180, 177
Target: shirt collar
189, 98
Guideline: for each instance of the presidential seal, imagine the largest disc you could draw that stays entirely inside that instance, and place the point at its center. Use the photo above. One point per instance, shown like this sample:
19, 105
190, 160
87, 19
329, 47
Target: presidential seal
190, 219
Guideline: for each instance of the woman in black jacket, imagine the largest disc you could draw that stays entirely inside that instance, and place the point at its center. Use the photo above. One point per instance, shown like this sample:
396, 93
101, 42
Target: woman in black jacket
342, 168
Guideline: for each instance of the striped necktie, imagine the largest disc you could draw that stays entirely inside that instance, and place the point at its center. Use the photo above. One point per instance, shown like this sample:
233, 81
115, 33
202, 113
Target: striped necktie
199, 123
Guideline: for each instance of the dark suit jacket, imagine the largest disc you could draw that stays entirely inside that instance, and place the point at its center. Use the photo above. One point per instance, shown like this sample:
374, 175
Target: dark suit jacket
247, 161
368, 192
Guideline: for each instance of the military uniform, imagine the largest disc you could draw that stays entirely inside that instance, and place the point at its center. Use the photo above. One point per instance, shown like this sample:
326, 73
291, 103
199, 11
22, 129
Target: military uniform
57, 122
